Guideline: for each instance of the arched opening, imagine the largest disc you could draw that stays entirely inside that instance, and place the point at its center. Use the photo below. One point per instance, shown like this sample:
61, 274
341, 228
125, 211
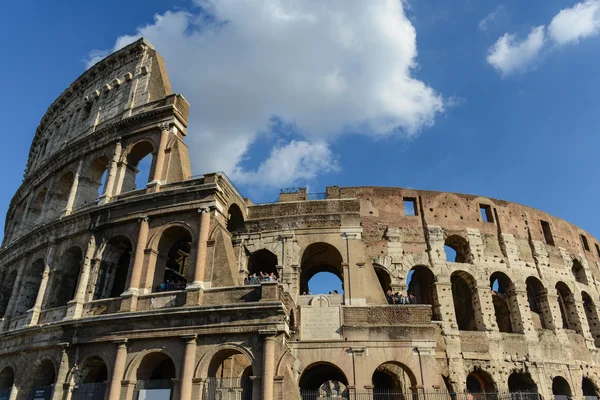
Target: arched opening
320, 258
538, 303
589, 389
521, 382
17, 220
7, 380
383, 277
457, 249
261, 264
64, 279
323, 380
59, 199
89, 380
91, 184
34, 215
568, 310
29, 287
464, 295
505, 303
480, 381
579, 272
229, 370
560, 388
591, 314
6, 291
392, 380
421, 282
111, 279
155, 377
235, 219
173, 260
42, 381
138, 166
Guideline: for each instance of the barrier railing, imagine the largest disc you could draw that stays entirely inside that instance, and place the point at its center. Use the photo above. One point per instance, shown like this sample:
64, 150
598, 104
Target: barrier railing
387, 394
228, 389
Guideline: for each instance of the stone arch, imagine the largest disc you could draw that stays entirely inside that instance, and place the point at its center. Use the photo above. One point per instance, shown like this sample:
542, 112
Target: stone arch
537, 298
579, 272
320, 257
383, 276
318, 373
59, 196
6, 291
30, 286
7, 378
561, 390
65, 277
460, 246
521, 381
113, 270
284, 361
262, 261
393, 377
134, 365
89, 379
589, 389
42, 378
480, 381
591, 314
229, 363
568, 310
235, 219
506, 308
173, 246
155, 370
202, 366
131, 159
91, 182
421, 285
466, 302
34, 215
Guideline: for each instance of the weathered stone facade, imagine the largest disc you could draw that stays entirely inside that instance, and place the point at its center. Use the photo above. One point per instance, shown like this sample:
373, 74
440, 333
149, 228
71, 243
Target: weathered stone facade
113, 292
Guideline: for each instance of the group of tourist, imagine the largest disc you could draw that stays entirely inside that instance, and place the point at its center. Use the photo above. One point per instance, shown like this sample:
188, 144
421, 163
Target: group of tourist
261, 277
400, 298
168, 285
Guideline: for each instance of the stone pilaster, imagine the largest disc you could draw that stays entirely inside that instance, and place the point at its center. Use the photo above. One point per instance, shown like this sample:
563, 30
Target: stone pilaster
165, 130
189, 361
73, 193
114, 392
75, 309
113, 171
268, 367
61, 376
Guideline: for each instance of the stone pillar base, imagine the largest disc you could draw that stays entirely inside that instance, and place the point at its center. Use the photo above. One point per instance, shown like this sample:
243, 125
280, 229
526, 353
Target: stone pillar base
153, 187
194, 296
75, 310
128, 302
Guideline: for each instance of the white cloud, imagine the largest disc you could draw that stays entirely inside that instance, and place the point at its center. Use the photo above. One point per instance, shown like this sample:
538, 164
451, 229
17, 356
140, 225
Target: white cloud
297, 161
490, 19
580, 21
508, 55
329, 68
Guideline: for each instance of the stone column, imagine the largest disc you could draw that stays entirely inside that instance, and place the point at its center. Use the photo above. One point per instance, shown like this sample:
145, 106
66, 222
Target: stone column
76, 305
113, 170
521, 314
14, 391
202, 246
482, 302
61, 376
73, 193
138, 261
41, 294
268, 368
114, 392
189, 361
165, 129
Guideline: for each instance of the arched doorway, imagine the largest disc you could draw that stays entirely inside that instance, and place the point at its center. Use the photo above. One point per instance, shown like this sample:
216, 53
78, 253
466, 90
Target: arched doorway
229, 371
155, 376
568, 310
7, 380
235, 219
521, 382
480, 381
29, 287
41, 383
504, 299
6, 292
457, 249
262, 263
464, 296
591, 315
589, 389
64, 279
111, 279
560, 388
320, 258
89, 380
323, 380
421, 283
393, 380
173, 260
538, 304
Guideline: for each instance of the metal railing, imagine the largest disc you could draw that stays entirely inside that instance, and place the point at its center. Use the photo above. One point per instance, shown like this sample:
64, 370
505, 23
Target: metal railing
228, 389
89, 391
387, 394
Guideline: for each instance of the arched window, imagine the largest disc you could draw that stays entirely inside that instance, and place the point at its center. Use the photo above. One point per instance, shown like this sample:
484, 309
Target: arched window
29, 287
262, 262
6, 292
393, 378
592, 317
229, 370
173, 261
325, 260
155, 376
235, 219
138, 168
90, 378
91, 184
64, 279
579, 272
538, 304
506, 307
521, 382
480, 381
421, 282
111, 279
466, 302
568, 310
59, 198
560, 388
457, 249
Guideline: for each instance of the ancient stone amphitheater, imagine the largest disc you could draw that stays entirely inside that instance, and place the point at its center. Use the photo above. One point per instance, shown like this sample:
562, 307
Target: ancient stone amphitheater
115, 291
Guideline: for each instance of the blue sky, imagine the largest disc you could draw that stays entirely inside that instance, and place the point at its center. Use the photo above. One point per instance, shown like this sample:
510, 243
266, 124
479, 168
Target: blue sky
520, 126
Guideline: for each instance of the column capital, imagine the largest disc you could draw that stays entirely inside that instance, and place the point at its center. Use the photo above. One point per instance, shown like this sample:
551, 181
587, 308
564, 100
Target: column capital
190, 338
164, 126
268, 333
204, 210
144, 219
120, 342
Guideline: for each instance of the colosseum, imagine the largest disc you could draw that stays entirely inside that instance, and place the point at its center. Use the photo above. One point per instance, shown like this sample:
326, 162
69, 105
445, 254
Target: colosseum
181, 288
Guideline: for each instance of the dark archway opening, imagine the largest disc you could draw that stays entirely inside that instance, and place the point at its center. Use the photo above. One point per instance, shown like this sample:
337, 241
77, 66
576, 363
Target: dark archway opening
464, 295
383, 277
235, 219
229, 370
421, 283
173, 261
505, 302
111, 279
138, 168
155, 376
43, 380
591, 314
323, 379
589, 389
261, 264
30, 287
59, 197
90, 380
480, 382
6, 292
64, 280
392, 380
538, 303
7, 380
568, 310
457, 249
560, 388
319, 258
579, 272
521, 382
91, 185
